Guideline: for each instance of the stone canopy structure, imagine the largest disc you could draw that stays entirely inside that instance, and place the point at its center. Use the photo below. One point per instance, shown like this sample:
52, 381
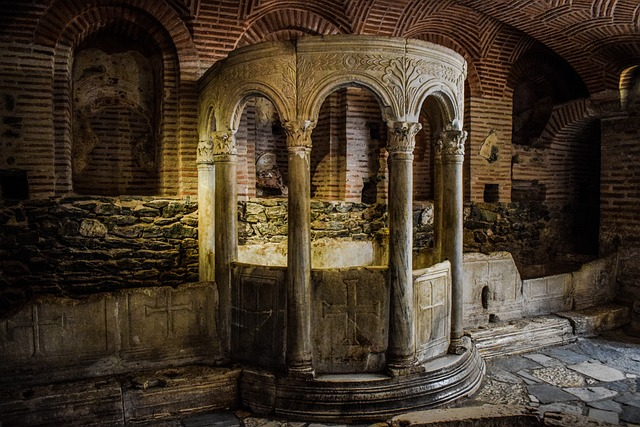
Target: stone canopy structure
297, 77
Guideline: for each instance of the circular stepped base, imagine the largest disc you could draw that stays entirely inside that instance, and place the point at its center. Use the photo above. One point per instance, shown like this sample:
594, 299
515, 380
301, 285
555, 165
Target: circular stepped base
363, 397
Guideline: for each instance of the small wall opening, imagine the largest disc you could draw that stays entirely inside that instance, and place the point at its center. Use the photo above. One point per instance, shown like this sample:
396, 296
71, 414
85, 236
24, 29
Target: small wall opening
491, 193
485, 296
13, 184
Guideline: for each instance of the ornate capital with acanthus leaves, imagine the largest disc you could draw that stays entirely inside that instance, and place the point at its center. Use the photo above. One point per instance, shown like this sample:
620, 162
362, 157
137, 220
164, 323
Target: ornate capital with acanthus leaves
451, 142
402, 136
224, 142
299, 133
205, 152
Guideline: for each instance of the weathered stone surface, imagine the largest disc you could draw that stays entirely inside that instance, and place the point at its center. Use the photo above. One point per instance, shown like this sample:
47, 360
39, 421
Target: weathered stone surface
350, 318
522, 336
559, 376
591, 394
494, 415
179, 391
598, 371
92, 228
93, 402
494, 289
547, 393
592, 321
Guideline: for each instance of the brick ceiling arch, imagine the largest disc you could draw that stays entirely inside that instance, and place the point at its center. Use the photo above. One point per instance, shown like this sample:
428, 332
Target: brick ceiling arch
281, 22
572, 28
65, 17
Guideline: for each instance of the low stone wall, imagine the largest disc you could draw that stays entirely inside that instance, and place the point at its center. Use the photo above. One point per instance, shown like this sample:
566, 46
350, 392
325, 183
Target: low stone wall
81, 245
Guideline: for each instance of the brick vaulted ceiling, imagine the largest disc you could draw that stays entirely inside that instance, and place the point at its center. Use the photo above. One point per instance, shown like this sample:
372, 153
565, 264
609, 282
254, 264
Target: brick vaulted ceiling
598, 38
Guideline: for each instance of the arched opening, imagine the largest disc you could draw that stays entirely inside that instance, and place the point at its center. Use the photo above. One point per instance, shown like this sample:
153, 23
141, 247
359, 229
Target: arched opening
556, 161
116, 86
348, 160
262, 143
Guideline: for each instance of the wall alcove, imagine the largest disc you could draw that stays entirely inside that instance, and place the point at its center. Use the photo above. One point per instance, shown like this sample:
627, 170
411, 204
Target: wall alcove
320, 332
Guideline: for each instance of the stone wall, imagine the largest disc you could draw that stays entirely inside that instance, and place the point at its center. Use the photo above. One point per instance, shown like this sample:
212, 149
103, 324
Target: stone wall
86, 245
82, 245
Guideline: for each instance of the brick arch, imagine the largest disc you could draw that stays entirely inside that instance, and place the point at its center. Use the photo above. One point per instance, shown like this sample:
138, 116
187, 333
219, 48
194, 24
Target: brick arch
473, 79
146, 30
55, 22
286, 21
539, 62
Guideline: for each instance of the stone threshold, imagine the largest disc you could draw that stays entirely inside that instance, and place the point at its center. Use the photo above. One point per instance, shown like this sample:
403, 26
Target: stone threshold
525, 335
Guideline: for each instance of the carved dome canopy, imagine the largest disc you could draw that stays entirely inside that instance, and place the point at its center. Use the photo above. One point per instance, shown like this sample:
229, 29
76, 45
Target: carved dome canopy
297, 76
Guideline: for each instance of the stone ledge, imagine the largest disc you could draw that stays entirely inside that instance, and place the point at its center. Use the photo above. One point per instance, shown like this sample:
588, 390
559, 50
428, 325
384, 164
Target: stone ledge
521, 336
592, 321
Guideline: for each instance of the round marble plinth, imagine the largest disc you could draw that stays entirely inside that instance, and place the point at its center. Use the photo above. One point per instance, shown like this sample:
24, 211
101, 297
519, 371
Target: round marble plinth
363, 397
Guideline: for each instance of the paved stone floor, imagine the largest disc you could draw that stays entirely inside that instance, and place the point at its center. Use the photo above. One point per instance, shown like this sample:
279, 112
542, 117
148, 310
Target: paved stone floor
595, 377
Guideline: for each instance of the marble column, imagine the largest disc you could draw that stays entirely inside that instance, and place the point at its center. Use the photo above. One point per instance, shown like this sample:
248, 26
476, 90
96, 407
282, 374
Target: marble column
226, 223
206, 187
437, 208
401, 353
299, 349
450, 147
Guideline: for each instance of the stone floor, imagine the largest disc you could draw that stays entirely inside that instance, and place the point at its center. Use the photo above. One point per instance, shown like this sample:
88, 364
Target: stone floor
594, 377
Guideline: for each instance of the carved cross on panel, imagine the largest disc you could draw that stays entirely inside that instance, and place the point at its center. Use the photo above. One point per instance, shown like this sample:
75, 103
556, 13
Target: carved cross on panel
351, 310
35, 325
168, 309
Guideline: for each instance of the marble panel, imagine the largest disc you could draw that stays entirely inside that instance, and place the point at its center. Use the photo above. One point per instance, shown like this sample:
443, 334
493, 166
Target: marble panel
258, 314
350, 317
432, 293
58, 330
493, 288
595, 282
162, 322
547, 294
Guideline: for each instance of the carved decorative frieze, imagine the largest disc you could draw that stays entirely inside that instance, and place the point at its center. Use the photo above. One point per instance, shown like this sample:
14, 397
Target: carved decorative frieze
402, 136
299, 133
451, 142
205, 152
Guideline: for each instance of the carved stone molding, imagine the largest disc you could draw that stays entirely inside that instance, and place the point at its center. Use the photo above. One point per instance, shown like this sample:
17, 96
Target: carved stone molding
402, 136
205, 152
299, 133
224, 142
451, 142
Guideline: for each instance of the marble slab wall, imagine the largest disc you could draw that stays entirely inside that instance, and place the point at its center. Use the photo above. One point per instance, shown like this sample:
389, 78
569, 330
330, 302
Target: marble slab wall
105, 333
432, 293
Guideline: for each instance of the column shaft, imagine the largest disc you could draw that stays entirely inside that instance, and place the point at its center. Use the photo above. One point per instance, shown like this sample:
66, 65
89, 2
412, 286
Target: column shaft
299, 349
226, 224
206, 188
451, 149
401, 353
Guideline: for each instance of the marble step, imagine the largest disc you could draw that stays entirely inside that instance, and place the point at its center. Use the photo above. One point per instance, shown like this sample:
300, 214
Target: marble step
521, 336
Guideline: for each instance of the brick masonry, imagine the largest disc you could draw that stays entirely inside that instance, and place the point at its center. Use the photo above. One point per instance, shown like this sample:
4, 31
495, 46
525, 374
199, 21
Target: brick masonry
562, 48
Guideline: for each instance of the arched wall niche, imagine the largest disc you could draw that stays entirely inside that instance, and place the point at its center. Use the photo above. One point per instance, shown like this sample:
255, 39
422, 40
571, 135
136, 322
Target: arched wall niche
117, 120
65, 33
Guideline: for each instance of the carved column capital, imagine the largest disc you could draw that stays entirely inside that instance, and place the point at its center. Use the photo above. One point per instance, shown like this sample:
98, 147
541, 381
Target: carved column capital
299, 133
205, 152
402, 136
224, 143
451, 142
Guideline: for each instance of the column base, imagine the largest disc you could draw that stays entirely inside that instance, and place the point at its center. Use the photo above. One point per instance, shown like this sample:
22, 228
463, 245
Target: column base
305, 371
457, 346
363, 397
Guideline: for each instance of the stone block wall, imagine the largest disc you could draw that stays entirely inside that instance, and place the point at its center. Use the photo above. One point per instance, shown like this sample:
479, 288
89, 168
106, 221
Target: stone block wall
82, 245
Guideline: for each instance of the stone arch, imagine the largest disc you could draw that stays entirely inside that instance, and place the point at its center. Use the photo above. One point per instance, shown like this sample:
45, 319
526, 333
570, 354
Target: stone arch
388, 105
65, 35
